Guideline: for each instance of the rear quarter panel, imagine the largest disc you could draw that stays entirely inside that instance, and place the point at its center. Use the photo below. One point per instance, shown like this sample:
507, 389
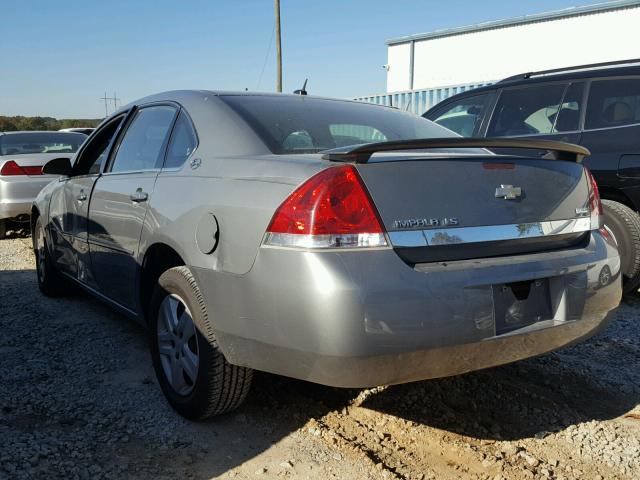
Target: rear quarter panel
242, 193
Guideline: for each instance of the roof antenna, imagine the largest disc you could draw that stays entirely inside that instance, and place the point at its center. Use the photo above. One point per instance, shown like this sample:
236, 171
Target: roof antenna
303, 90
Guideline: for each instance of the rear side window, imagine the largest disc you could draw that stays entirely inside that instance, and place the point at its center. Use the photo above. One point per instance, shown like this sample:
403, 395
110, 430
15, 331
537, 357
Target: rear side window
613, 103
526, 111
182, 144
144, 141
463, 116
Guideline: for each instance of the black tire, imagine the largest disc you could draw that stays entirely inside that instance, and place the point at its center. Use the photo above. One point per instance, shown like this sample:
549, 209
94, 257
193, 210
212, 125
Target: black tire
219, 386
50, 281
624, 223
3, 228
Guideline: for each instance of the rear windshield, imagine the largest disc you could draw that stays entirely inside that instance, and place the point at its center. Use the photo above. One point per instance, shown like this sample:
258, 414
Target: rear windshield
40, 142
310, 125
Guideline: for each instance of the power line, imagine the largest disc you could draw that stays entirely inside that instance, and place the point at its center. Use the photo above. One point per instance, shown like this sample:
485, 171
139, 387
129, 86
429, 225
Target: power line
266, 57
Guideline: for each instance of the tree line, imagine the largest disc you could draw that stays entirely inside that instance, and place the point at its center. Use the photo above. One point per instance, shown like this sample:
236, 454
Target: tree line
19, 123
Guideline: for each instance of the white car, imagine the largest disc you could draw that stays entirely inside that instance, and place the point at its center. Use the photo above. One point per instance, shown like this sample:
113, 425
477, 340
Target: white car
22, 156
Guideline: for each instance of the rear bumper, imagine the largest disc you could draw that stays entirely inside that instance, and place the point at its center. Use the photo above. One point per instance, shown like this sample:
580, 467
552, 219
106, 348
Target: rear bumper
365, 318
17, 194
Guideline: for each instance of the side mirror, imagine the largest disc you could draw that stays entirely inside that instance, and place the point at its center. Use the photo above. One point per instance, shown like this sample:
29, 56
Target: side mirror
58, 166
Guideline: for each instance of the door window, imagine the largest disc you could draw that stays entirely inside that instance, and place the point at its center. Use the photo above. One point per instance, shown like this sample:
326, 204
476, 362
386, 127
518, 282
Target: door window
182, 144
613, 103
464, 116
144, 141
526, 111
95, 153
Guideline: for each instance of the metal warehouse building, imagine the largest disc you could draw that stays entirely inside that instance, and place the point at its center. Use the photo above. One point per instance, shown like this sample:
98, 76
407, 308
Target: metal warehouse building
426, 68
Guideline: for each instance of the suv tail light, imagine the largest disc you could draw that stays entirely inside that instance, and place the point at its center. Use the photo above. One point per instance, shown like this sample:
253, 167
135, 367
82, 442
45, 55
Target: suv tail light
595, 206
330, 210
11, 168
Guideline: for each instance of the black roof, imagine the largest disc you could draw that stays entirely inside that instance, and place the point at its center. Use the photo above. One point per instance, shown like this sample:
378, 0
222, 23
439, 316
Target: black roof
571, 73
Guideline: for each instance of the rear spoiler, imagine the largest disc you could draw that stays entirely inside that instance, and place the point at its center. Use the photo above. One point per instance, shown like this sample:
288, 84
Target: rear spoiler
362, 153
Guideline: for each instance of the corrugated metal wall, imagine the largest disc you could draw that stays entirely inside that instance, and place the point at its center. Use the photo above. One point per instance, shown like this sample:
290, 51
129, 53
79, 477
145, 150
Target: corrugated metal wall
418, 101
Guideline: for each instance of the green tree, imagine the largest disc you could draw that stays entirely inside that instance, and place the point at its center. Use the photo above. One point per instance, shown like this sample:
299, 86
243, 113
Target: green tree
11, 124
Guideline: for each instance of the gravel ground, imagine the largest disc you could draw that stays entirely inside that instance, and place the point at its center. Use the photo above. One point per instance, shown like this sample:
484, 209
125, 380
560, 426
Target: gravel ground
78, 399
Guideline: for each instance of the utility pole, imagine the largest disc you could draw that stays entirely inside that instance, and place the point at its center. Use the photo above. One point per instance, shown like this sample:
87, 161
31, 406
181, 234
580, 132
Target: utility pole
105, 98
278, 48
115, 102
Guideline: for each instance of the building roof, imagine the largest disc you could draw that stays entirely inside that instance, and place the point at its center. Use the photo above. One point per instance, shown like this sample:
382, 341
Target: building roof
523, 20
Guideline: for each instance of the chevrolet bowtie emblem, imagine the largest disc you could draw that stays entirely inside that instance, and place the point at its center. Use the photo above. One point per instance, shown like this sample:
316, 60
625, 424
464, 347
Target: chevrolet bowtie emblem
508, 192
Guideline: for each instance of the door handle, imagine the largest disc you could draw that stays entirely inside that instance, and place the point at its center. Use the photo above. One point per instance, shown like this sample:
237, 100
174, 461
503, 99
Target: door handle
81, 196
139, 196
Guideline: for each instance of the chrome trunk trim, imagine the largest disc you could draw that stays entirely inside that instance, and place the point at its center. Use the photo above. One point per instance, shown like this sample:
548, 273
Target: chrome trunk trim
489, 233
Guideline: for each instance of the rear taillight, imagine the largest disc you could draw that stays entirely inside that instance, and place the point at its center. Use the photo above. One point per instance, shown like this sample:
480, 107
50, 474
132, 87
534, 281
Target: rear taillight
595, 206
11, 168
330, 210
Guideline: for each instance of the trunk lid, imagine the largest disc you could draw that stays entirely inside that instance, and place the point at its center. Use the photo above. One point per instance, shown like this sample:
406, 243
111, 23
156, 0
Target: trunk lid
437, 208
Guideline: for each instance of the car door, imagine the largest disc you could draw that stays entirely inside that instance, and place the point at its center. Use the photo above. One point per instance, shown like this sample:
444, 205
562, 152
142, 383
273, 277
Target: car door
612, 132
465, 116
550, 111
69, 204
119, 201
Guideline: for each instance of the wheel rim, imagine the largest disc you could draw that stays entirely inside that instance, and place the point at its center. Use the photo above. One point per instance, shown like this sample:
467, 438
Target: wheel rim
605, 276
40, 255
177, 344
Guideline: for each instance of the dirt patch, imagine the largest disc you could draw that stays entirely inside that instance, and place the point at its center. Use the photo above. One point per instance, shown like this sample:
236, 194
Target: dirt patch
78, 399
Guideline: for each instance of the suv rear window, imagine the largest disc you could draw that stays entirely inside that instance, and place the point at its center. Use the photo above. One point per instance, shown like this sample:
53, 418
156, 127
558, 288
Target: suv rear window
299, 124
40, 142
613, 103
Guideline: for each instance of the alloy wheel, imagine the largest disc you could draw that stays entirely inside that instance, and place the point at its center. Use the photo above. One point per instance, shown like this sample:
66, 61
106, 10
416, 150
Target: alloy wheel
177, 344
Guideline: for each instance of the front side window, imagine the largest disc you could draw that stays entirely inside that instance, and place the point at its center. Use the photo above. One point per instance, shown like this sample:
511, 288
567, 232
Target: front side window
526, 111
40, 142
301, 124
463, 116
613, 103
95, 153
182, 144
144, 141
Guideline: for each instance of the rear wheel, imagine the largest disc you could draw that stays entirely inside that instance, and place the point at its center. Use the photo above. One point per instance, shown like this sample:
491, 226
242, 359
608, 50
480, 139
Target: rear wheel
193, 373
624, 223
50, 281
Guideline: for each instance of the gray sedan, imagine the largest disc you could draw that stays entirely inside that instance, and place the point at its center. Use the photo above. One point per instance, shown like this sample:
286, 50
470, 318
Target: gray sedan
22, 156
342, 243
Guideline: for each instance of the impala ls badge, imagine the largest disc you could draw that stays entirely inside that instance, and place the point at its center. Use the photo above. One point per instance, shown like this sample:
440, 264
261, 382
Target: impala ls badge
508, 192
426, 222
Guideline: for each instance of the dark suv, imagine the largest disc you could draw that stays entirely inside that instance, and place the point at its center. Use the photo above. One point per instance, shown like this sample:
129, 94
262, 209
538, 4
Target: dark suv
596, 106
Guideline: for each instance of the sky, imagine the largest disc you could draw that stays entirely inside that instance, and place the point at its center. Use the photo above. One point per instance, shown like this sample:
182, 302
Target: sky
57, 58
